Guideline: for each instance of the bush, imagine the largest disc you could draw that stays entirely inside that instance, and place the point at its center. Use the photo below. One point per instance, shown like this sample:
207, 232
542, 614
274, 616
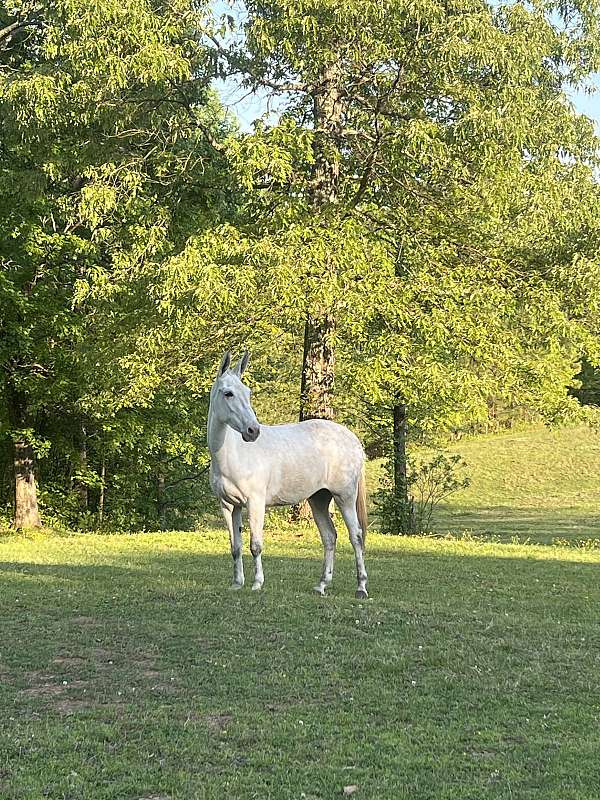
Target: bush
429, 481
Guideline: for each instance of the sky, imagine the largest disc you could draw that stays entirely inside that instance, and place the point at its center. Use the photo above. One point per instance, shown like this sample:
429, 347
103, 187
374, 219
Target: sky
589, 104
247, 107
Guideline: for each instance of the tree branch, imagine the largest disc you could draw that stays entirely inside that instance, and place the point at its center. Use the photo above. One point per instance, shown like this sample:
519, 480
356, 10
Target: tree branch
9, 30
187, 478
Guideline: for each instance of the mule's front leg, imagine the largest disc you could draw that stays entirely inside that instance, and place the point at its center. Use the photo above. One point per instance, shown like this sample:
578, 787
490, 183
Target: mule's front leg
233, 520
256, 520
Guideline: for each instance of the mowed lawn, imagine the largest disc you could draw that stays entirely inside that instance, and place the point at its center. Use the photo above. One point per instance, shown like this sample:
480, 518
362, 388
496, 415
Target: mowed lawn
538, 484
129, 670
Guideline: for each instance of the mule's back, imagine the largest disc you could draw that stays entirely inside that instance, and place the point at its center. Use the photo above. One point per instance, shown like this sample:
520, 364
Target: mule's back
303, 457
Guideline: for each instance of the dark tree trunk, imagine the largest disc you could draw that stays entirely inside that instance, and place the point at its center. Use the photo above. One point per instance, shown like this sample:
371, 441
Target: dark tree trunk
318, 369
405, 521
400, 466
26, 508
82, 486
316, 389
102, 497
27, 514
160, 501
318, 363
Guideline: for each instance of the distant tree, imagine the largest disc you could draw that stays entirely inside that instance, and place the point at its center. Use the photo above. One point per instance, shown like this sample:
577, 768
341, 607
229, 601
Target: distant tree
588, 390
108, 161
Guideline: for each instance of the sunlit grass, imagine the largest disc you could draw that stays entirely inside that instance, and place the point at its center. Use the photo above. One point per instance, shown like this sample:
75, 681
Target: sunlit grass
539, 484
129, 670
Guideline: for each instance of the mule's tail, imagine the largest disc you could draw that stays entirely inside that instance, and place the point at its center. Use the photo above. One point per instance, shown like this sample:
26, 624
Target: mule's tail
361, 506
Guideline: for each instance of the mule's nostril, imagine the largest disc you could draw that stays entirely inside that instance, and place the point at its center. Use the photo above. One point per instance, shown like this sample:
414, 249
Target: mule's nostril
251, 430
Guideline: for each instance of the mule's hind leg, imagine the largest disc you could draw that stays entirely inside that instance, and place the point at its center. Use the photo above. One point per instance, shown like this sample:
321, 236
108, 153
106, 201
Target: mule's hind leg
347, 507
319, 504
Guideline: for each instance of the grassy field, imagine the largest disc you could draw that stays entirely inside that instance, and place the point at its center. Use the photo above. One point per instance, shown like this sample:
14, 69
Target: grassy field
538, 484
129, 670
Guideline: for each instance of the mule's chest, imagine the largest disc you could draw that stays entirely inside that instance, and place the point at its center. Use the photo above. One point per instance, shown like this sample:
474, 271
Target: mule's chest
226, 489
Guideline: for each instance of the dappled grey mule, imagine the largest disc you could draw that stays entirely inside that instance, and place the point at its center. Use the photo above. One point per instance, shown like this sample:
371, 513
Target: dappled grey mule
257, 465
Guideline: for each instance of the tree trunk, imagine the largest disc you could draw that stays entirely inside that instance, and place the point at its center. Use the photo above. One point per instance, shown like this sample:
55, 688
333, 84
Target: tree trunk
27, 514
318, 362
26, 508
318, 365
405, 522
160, 501
82, 487
102, 496
318, 369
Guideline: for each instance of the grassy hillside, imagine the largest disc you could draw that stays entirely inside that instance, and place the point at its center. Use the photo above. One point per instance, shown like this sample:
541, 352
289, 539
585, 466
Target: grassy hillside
129, 670
542, 484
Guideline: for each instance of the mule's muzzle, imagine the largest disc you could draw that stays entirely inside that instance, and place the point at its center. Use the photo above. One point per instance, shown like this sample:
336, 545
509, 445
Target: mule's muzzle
251, 433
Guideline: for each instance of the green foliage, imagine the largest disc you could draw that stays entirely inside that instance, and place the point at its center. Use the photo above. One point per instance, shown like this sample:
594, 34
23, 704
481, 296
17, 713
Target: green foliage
108, 169
453, 257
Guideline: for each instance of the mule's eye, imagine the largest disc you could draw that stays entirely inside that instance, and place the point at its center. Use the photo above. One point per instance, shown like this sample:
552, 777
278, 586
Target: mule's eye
228, 394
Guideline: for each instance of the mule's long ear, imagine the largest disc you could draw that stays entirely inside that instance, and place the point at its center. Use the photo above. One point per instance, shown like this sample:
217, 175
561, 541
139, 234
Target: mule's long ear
242, 364
225, 362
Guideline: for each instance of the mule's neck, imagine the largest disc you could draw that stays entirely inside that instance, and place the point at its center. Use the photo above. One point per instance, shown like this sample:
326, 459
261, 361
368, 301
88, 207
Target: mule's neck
216, 432
219, 438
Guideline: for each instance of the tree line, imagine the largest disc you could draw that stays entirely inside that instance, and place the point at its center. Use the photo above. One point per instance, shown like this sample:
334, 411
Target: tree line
408, 244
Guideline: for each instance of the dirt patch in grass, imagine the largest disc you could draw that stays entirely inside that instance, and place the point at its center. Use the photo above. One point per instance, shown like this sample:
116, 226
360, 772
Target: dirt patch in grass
67, 708
217, 722
103, 657
155, 797
46, 687
151, 673
144, 663
43, 690
83, 621
69, 661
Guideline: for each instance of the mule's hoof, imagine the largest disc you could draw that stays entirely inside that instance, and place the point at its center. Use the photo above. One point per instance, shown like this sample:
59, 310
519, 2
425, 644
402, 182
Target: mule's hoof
256, 586
319, 590
236, 586
361, 594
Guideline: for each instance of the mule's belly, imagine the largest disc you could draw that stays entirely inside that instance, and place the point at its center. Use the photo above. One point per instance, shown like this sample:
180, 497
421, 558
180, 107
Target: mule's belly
290, 492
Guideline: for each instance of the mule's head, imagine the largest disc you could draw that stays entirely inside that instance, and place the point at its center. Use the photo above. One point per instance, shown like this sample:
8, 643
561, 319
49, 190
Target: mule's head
230, 399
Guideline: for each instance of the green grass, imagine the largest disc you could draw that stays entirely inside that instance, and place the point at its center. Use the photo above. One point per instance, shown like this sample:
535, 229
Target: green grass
539, 484
129, 670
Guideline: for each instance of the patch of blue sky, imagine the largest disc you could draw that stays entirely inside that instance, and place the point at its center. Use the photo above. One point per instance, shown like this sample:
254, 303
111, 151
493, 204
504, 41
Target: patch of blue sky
587, 100
249, 106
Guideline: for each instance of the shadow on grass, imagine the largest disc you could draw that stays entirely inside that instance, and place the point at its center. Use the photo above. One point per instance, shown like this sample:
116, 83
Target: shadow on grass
535, 524
464, 677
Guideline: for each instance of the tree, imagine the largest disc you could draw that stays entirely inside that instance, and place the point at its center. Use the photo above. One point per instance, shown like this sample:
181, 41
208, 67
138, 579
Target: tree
108, 134
429, 130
